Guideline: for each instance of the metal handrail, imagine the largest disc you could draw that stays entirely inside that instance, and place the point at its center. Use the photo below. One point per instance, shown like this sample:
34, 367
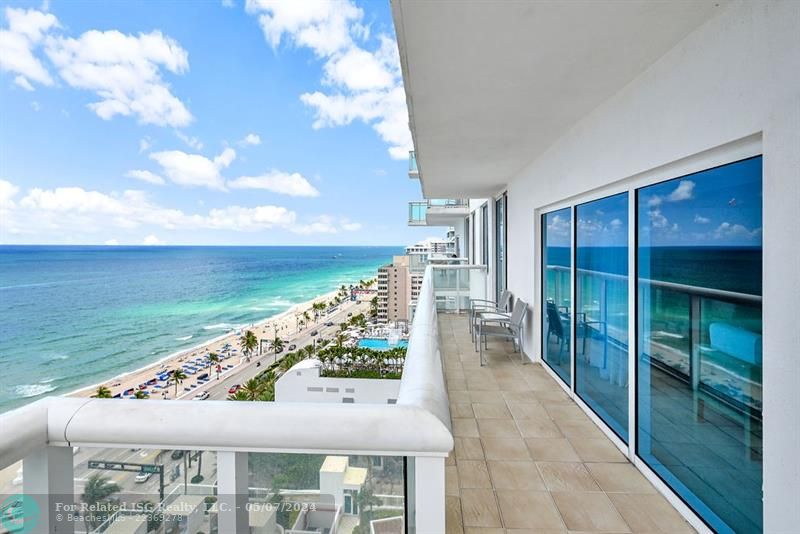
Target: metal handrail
708, 292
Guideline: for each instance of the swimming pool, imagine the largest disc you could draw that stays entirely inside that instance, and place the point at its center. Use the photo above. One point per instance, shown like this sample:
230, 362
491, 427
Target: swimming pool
379, 343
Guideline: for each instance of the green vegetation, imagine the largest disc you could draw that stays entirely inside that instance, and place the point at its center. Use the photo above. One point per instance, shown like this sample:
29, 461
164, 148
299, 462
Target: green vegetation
248, 343
176, 376
99, 489
102, 393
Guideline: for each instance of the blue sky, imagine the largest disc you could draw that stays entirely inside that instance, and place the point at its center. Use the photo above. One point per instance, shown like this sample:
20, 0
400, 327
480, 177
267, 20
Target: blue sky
216, 122
716, 207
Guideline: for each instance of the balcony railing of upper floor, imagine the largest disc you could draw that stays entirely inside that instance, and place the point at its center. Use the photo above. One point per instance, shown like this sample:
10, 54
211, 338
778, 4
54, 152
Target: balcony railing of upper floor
419, 211
58, 438
413, 171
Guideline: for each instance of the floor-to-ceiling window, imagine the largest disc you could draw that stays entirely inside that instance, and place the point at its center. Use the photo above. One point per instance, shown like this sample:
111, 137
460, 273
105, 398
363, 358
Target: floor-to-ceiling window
601, 304
474, 258
699, 381
485, 234
500, 244
556, 291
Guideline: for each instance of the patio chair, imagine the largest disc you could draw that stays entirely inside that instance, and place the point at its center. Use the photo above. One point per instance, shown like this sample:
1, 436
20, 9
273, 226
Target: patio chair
476, 306
503, 327
556, 327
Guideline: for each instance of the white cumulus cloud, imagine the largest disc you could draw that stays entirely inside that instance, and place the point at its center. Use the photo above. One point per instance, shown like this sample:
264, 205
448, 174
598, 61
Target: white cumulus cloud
25, 33
152, 240
194, 170
7, 193
111, 243
684, 191
251, 139
145, 176
125, 72
364, 81
284, 183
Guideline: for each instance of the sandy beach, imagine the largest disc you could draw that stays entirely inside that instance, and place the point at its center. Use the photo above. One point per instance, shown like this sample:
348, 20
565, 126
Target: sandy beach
232, 360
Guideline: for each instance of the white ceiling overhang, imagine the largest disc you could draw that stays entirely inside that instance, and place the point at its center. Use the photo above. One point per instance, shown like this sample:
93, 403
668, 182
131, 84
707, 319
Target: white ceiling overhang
491, 85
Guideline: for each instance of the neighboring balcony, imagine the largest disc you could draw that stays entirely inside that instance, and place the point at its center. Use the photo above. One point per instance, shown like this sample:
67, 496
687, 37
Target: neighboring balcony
437, 212
413, 171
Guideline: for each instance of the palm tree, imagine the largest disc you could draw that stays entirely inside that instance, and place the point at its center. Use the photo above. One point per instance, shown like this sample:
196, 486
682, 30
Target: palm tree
141, 394
249, 343
176, 376
373, 306
277, 346
340, 339
252, 389
239, 396
306, 318
97, 490
102, 393
213, 358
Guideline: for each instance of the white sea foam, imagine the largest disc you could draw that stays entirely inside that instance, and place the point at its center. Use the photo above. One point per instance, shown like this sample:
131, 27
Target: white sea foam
48, 380
33, 390
184, 338
219, 326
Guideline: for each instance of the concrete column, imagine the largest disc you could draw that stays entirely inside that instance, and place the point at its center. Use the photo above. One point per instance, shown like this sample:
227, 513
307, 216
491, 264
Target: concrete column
429, 505
232, 492
48, 480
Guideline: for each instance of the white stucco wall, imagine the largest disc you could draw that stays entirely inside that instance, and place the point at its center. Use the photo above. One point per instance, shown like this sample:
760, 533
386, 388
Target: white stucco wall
736, 77
294, 386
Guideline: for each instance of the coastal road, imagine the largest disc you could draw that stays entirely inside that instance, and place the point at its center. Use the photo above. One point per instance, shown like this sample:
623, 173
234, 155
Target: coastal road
218, 389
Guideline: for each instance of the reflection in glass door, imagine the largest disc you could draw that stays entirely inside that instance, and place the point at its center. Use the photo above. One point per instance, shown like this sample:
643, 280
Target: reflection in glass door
556, 291
699, 381
500, 245
601, 300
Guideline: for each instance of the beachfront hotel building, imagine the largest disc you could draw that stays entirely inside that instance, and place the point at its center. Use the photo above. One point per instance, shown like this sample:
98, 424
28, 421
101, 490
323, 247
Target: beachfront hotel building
630, 172
394, 290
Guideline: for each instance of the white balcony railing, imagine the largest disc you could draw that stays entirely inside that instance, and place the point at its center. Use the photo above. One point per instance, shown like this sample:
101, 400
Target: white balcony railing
43, 434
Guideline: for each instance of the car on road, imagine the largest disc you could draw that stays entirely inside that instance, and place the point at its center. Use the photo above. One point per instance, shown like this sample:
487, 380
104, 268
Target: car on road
141, 478
202, 396
177, 454
329, 323
204, 376
314, 333
234, 388
292, 347
350, 314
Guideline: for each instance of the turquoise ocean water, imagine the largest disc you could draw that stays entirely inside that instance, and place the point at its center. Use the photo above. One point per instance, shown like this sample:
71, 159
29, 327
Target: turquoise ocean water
74, 316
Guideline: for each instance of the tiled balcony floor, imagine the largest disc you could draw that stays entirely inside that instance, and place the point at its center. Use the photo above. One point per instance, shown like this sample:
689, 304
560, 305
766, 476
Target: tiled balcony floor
527, 459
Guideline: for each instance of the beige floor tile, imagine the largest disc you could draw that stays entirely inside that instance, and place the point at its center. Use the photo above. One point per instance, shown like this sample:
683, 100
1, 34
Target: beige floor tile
451, 486
479, 508
452, 519
619, 477
597, 450
536, 531
589, 512
486, 396
557, 394
494, 410
527, 410
566, 476
459, 396
451, 458
516, 475
513, 384
538, 427
498, 428
565, 411
457, 384
461, 410
481, 384
473, 474
505, 449
649, 513
579, 430
482, 530
521, 396
551, 450
528, 509
465, 428
468, 449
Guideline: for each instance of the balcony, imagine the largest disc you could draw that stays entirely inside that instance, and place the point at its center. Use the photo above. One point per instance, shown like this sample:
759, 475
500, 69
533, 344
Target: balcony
437, 212
413, 171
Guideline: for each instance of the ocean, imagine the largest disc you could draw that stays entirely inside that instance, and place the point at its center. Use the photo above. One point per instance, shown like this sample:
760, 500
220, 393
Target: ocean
72, 316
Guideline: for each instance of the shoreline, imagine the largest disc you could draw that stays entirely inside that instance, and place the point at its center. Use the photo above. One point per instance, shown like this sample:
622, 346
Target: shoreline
132, 378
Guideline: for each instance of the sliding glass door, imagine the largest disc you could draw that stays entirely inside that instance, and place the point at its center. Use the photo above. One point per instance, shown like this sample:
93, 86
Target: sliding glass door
601, 303
557, 291
699, 340
485, 234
